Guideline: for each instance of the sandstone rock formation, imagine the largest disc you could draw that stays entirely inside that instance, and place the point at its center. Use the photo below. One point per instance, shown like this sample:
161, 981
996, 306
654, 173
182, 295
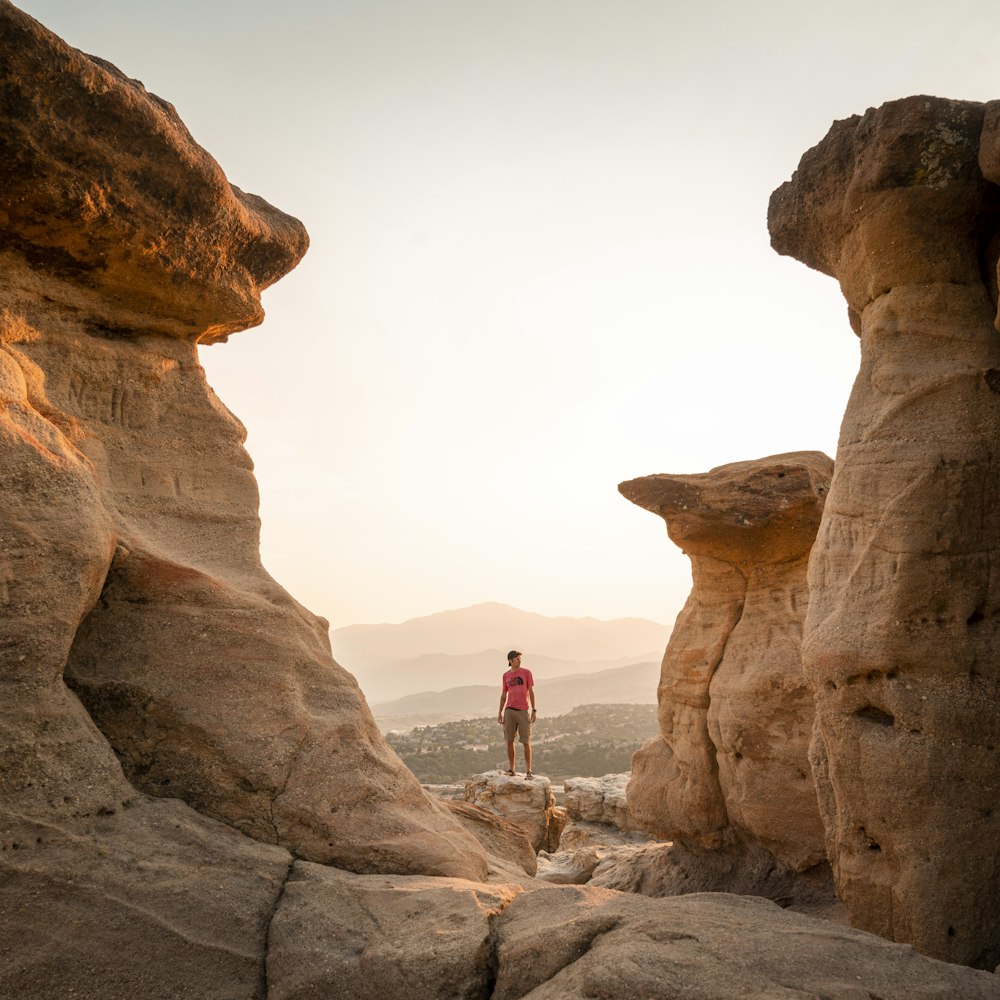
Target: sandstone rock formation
902, 206
129, 563
579, 833
597, 815
572, 867
598, 800
529, 803
507, 846
374, 938
665, 869
729, 770
578, 941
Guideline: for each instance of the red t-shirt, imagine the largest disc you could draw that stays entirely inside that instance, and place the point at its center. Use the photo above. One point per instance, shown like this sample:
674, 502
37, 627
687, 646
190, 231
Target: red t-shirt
516, 684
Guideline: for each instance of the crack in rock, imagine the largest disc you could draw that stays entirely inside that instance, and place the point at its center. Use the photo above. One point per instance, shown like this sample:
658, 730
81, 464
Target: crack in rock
263, 987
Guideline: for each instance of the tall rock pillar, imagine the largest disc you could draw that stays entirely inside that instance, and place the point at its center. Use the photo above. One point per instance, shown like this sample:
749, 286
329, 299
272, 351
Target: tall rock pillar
729, 772
901, 637
135, 613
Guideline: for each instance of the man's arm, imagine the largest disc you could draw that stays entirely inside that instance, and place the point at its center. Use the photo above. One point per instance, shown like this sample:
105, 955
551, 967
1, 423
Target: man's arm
531, 698
503, 698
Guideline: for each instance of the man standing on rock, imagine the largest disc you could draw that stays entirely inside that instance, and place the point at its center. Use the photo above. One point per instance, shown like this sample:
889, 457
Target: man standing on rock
518, 689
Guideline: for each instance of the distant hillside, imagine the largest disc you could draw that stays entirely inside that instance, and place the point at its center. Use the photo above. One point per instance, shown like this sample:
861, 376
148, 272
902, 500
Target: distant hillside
441, 671
590, 740
633, 684
361, 648
469, 647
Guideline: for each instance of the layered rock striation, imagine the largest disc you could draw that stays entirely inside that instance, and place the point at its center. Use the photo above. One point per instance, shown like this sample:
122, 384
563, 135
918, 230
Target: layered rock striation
529, 803
729, 771
177, 748
902, 206
136, 611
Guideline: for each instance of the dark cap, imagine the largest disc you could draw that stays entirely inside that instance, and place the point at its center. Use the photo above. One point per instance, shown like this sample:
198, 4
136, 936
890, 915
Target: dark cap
512, 654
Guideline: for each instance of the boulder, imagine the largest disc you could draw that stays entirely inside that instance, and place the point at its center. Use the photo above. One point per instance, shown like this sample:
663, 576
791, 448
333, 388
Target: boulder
598, 800
574, 867
337, 934
579, 941
902, 206
528, 802
141, 899
506, 844
579, 833
597, 814
730, 769
673, 870
130, 567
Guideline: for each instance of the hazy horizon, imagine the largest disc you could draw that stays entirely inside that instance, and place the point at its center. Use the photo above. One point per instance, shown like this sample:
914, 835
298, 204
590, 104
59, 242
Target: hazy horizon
488, 603
539, 266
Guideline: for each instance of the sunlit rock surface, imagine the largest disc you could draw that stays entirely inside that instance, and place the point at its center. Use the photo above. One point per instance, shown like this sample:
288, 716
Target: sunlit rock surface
598, 800
509, 851
528, 802
902, 207
129, 541
129, 565
579, 941
730, 771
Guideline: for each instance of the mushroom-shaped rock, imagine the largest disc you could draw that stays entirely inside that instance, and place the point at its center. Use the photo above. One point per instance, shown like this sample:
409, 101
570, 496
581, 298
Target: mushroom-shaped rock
902, 206
129, 559
108, 200
730, 767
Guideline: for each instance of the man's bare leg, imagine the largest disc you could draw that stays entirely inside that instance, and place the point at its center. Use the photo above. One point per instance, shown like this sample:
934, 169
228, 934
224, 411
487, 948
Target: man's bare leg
527, 756
510, 755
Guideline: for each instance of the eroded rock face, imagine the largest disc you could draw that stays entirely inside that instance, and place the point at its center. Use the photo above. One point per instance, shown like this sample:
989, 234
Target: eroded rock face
598, 800
730, 768
141, 900
507, 846
341, 935
530, 803
109, 201
579, 941
573, 867
902, 206
129, 561
660, 869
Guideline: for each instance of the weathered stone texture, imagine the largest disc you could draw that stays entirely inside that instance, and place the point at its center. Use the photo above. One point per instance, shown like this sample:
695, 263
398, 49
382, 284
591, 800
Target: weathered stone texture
598, 800
729, 770
129, 557
579, 941
148, 899
507, 846
527, 802
902, 206
115, 209
377, 938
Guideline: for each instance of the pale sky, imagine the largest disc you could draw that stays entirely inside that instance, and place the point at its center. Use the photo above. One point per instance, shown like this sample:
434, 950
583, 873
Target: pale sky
539, 266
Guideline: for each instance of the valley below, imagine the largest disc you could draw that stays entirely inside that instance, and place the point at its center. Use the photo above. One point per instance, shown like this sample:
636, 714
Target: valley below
589, 741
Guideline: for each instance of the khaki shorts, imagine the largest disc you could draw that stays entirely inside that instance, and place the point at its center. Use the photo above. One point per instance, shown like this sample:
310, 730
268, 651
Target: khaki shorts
517, 720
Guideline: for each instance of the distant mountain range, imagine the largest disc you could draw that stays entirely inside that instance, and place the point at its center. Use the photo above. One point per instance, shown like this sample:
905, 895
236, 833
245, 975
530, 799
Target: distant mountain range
632, 684
442, 671
468, 647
